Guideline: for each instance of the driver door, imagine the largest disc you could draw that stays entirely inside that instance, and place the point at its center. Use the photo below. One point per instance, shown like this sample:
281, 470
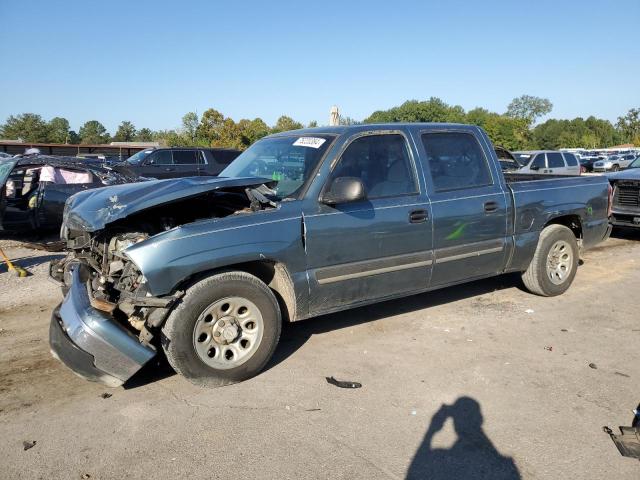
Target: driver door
373, 248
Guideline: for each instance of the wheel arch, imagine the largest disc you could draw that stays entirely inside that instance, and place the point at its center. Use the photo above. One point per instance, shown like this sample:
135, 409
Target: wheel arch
273, 273
573, 222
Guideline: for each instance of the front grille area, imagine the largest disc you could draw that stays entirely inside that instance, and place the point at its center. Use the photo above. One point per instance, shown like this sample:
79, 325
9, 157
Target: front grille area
627, 196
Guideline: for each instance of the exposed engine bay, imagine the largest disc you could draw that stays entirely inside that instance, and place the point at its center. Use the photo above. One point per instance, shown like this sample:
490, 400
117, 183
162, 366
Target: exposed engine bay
114, 283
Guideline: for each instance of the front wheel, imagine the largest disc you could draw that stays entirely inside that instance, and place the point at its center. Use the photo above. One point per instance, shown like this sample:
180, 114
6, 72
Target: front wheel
615, 168
554, 263
224, 331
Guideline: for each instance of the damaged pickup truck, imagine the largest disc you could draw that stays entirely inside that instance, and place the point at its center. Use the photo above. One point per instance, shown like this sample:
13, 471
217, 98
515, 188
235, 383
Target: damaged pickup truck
301, 224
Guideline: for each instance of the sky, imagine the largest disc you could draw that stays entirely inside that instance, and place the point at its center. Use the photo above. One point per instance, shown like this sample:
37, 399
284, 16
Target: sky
150, 62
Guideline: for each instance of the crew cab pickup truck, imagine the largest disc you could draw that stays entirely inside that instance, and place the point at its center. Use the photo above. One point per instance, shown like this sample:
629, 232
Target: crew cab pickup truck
301, 224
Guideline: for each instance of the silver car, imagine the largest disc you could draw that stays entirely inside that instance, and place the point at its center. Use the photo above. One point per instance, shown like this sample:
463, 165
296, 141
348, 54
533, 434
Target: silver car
614, 163
548, 162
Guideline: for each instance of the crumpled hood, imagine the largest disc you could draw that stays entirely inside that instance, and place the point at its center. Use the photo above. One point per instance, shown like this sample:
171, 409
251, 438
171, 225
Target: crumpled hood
92, 210
629, 174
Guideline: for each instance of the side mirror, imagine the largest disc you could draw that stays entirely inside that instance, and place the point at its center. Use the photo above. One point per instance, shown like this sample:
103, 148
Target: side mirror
534, 167
344, 190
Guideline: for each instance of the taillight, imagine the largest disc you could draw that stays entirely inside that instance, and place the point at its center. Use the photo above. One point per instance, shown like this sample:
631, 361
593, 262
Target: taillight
610, 207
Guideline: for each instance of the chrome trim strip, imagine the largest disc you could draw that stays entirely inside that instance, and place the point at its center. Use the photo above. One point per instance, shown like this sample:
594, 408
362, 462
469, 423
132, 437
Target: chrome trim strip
461, 256
349, 271
368, 209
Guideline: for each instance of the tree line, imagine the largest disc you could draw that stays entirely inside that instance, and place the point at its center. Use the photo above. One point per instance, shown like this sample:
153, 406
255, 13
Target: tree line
514, 129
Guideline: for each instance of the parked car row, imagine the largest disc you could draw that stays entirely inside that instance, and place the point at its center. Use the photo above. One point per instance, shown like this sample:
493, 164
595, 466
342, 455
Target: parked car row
34, 188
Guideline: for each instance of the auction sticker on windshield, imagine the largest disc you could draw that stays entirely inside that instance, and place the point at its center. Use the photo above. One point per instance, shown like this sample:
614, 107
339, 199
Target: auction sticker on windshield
312, 142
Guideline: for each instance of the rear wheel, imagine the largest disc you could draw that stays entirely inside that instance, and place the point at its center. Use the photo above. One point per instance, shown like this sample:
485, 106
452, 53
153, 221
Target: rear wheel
225, 329
554, 263
615, 168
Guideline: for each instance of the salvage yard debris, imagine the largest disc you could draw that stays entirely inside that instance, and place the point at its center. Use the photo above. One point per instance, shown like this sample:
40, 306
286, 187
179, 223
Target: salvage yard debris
343, 383
27, 445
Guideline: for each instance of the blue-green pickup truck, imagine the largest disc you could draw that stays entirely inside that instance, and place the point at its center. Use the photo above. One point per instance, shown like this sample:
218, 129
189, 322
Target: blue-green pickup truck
301, 224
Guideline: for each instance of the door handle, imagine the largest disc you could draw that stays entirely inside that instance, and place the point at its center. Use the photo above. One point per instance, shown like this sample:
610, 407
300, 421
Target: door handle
169, 169
418, 216
490, 207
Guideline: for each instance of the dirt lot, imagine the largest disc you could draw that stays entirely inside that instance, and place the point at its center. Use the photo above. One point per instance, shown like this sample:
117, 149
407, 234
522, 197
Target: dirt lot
512, 369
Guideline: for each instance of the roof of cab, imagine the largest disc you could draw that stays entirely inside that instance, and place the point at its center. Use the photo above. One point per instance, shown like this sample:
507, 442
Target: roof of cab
341, 129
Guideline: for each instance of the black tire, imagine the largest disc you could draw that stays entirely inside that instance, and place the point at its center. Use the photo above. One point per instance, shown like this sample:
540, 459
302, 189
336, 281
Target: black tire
615, 168
178, 331
535, 277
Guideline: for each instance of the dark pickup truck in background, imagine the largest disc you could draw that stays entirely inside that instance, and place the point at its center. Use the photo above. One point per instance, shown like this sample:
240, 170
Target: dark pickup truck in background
625, 210
303, 223
181, 161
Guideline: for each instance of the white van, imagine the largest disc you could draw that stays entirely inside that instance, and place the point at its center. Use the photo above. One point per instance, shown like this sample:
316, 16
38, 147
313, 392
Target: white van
548, 162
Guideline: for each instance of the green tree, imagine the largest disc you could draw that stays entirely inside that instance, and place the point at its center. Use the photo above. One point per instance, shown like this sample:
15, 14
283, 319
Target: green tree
210, 125
312, 124
126, 132
74, 138
629, 125
26, 126
252, 130
93, 132
59, 130
347, 121
432, 110
144, 135
529, 108
190, 125
510, 133
284, 124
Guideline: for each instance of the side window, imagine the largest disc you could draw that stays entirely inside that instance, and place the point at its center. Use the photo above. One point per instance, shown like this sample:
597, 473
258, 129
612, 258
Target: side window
554, 160
456, 161
571, 159
185, 157
382, 163
161, 157
538, 162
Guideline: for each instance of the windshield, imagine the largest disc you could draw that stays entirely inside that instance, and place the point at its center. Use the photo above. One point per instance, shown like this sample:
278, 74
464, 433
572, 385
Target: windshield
137, 158
522, 158
290, 160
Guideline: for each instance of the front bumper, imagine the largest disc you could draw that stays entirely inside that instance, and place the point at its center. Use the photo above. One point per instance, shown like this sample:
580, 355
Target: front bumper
92, 343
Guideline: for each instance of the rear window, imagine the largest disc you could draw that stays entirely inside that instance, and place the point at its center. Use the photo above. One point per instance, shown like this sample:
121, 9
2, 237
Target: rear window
571, 159
554, 160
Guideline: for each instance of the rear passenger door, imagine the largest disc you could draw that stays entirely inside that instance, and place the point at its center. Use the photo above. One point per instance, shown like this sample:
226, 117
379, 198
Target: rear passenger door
469, 206
555, 164
186, 163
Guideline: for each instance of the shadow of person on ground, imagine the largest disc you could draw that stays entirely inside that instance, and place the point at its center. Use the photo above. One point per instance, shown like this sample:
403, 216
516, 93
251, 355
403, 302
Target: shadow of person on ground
472, 456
